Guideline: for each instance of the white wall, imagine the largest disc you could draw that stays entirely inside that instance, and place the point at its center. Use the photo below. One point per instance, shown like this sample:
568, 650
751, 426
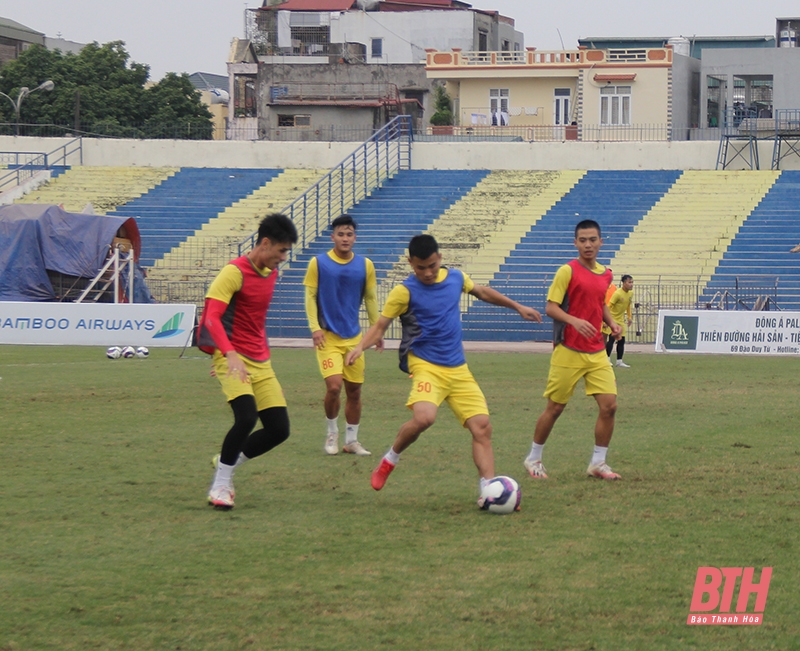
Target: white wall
402, 30
700, 155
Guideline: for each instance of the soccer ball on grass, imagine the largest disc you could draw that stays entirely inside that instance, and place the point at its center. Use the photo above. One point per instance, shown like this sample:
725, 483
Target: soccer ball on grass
115, 352
142, 352
500, 495
128, 352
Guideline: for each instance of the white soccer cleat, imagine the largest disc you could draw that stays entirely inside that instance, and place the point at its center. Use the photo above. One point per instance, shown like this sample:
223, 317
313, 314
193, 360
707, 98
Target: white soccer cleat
356, 448
601, 471
332, 444
221, 497
622, 364
535, 468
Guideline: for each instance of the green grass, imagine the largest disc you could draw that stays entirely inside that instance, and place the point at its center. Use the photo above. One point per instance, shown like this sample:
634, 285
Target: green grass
107, 542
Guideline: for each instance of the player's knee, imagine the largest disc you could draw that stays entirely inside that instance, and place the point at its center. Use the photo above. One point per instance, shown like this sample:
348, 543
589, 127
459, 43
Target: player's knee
245, 413
353, 391
276, 421
334, 385
555, 409
423, 422
609, 409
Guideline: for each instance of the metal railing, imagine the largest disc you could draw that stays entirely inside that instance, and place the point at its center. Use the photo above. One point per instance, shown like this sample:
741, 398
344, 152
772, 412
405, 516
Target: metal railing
571, 132
23, 166
195, 129
368, 167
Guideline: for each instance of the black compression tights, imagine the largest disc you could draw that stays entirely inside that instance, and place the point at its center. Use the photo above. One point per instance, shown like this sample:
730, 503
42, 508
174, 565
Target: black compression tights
275, 431
620, 346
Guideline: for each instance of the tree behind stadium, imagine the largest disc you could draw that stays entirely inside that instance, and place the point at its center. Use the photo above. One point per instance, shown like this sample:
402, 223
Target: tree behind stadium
98, 92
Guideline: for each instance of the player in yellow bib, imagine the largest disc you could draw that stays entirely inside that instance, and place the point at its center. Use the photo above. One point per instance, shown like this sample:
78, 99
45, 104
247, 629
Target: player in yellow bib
619, 304
337, 282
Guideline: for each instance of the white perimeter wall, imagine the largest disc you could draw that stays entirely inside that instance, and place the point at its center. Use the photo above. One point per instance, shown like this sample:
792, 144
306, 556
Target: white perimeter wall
701, 155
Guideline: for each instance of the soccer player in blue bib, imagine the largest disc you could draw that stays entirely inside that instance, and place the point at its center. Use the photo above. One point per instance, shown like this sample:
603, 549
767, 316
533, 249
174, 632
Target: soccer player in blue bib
428, 302
336, 284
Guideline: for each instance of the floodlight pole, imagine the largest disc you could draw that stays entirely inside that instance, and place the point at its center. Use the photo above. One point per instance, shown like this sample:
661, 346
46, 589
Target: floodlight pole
23, 93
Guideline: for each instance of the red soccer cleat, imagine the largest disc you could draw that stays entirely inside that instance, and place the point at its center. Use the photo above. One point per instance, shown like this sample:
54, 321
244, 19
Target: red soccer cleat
381, 474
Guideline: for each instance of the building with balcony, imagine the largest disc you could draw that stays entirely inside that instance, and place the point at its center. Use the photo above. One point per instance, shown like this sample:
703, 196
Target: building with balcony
583, 94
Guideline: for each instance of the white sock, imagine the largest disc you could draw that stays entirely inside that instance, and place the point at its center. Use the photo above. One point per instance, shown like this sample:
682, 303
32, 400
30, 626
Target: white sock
536, 452
224, 476
599, 455
240, 460
333, 425
482, 484
392, 457
351, 433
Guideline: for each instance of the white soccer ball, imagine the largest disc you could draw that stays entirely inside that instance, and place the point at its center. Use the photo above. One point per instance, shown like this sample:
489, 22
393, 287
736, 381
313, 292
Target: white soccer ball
142, 352
115, 352
128, 352
500, 495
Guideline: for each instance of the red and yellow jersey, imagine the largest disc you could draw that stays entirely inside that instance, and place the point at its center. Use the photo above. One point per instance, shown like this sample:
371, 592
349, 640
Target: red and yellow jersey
235, 312
581, 293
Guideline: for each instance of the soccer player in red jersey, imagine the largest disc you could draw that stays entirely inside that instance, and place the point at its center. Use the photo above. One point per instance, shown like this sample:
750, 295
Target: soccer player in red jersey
233, 330
576, 303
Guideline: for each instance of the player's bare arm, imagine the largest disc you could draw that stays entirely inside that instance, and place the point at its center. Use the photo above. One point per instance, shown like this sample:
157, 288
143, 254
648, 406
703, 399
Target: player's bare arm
489, 295
555, 312
373, 336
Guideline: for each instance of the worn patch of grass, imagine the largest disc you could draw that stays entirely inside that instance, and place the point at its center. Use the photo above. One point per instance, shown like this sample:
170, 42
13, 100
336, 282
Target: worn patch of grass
107, 542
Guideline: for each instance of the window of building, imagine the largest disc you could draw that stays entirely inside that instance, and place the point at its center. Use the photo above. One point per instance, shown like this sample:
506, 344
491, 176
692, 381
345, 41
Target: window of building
483, 41
294, 120
244, 96
561, 105
376, 48
505, 46
615, 105
498, 106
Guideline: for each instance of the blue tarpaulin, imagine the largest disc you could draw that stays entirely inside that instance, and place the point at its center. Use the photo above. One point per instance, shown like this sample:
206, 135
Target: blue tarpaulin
36, 238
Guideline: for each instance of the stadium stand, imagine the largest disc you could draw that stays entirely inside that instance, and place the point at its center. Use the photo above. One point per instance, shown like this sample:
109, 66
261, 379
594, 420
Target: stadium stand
759, 261
404, 206
618, 200
183, 203
203, 254
105, 188
477, 232
686, 233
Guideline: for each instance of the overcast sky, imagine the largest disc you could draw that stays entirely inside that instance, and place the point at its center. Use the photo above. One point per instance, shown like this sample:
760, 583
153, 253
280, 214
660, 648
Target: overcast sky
195, 35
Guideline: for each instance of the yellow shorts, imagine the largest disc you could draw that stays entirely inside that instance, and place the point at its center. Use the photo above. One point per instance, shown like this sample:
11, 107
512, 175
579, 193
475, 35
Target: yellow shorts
436, 384
624, 325
331, 358
598, 375
261, 382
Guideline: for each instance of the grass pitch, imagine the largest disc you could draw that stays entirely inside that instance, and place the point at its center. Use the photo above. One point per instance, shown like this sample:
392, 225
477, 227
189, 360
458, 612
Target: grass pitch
107, 542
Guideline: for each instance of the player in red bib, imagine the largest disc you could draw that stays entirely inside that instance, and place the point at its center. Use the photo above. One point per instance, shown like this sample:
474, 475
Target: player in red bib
576, 303
233, 330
